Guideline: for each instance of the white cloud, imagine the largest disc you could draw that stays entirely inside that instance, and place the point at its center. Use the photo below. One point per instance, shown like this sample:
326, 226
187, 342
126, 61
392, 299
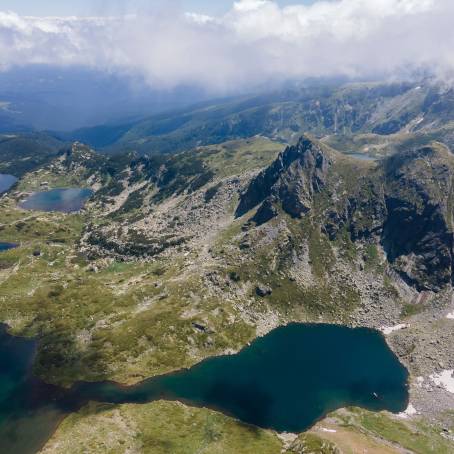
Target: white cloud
256, 41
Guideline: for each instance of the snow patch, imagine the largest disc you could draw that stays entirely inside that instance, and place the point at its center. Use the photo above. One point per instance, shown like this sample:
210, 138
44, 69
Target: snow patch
408, 413
450, 316
390, 329
332, 431
444, 379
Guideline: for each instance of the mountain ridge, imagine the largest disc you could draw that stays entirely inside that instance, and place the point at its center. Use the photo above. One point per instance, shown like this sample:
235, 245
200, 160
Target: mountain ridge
334, 112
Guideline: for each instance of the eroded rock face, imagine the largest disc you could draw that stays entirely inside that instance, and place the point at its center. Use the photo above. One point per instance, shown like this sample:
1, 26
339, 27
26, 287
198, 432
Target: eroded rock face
405, 203
292, 179
417, 231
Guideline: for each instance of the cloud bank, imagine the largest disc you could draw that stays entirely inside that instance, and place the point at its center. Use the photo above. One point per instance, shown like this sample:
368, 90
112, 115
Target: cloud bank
257, 41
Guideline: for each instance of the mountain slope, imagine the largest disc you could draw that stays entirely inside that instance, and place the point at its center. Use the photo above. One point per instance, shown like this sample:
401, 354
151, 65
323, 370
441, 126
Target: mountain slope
404, 203
22, 153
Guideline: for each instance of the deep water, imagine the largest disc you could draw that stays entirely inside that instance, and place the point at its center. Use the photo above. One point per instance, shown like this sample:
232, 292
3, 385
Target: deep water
64, 200
286, 380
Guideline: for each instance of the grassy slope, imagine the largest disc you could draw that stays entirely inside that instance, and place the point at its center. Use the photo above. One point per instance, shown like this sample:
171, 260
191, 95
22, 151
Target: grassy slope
121, 323
385, 145
240, 156
125, 322
158, 428
415, 435
171, 427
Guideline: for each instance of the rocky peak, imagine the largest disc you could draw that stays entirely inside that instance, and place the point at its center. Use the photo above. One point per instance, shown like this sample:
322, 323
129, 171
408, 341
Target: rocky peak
291, 180
78, 153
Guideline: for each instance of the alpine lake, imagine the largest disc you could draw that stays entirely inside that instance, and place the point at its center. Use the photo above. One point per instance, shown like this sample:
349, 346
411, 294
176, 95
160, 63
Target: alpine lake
65, 200
286, 381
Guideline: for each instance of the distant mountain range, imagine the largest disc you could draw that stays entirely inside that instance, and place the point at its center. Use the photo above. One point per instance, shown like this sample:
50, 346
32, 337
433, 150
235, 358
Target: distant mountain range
388, 113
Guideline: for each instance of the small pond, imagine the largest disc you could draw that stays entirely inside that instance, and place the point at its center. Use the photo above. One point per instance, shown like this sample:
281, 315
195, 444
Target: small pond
7, 246
362, 156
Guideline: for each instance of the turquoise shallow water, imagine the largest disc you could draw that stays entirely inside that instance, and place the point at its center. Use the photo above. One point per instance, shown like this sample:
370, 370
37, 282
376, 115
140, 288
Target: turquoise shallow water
7, 246
64, 200
286, 380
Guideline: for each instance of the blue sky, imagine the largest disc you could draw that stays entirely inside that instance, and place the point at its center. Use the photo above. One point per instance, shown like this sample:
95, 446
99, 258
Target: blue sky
95, 7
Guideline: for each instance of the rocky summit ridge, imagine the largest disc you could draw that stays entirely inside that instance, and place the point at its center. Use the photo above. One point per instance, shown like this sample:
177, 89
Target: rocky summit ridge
291, 179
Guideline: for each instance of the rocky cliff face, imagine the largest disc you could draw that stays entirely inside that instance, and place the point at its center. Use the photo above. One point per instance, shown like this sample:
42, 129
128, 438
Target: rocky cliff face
417, 231
404, 203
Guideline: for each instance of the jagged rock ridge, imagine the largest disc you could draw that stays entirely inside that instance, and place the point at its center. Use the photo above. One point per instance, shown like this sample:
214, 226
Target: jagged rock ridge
292, 179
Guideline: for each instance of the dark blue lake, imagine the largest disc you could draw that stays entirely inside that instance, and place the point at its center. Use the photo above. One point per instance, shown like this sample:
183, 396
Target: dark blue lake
286, 381
6, 182
64, 200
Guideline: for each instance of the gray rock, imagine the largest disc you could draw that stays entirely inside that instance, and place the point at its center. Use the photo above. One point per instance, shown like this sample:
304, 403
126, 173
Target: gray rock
263, 290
